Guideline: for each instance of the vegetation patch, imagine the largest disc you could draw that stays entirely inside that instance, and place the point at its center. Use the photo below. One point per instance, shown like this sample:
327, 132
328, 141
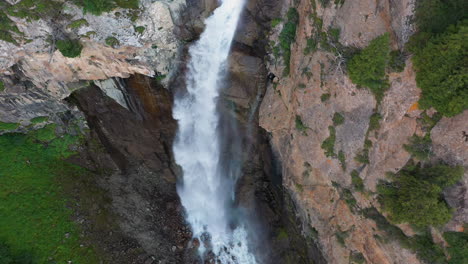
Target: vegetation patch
338, 119
341, 236
288, 36
420, 147
440, 52
356, 181
140, 29
356, 256
311, 46
328, 145
275, 22
34, 9
397, 61
69, 48
421, 244
7, 27
367, 67
342, 159
2, 86
39, 119
8, 126
324, 97
458, 247
415, 194
299, 124
97, 7
78, 23
441, 68
374, 122
35, 223
112, 41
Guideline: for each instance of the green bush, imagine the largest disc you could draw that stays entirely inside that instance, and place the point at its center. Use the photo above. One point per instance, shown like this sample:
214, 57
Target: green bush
311, 46
415, 194
275, 22
299, 124
342, 159
288, 36
78, 23
324, 97
8, 126
2, 86
338, 119
69, 48
397, 61
420, 147
140, 29
328, 145
112, 41
39, 119
458, 247
129, 4
367, 67
97, 7
357, 182
441, 71
374, 123
421, 244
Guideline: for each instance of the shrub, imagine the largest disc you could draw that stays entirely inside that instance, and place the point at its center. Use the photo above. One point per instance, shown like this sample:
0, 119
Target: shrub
374, 123
288, 36
69, 48
140, 29
8, 126
419, 147
357, 257
328, 145
341, 236
367, 67
458, 247
275, 22
342, 159
441, 68
2, 86
78, 23
97, 7
130, 4
112, 41
324, 97
311, 46
415, 194
397, 61
39, 119
299, 124
357, 182
422, 244
338, 119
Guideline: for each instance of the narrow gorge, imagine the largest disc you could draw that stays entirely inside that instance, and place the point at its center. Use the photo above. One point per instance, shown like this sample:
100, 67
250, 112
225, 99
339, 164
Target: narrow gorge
233, 131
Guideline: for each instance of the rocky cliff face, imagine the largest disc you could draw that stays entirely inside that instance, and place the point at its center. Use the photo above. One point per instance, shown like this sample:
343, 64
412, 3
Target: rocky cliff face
298, 109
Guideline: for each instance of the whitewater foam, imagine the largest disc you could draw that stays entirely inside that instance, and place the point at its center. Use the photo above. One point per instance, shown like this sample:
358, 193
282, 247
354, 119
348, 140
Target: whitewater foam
206, 191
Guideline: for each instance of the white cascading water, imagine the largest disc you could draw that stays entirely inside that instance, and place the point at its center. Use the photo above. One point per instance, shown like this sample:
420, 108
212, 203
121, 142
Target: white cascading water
206, 192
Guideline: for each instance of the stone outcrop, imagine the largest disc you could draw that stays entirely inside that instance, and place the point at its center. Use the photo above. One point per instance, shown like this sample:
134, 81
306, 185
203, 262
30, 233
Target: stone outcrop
297, 117
37, 76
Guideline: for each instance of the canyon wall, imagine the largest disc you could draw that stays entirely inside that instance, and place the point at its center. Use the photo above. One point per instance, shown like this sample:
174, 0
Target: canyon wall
298, 109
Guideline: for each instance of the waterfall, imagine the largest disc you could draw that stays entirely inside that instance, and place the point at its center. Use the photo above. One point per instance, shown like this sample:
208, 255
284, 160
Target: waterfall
207, 191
